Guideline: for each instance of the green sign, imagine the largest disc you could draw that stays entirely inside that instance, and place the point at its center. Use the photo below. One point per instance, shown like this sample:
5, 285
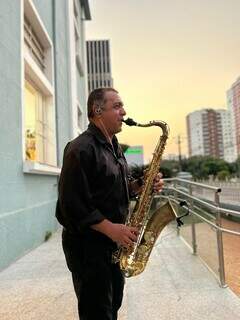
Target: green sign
134, 151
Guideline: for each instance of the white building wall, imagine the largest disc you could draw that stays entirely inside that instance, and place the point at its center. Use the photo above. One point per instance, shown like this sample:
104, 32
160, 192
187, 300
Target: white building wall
231, 147
196, 132
135, 155
77, 67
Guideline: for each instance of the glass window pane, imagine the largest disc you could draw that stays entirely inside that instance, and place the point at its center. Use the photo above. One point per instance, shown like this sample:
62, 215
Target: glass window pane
40, 148
39, 126
39, 107
49, 114
49, 135
30, 122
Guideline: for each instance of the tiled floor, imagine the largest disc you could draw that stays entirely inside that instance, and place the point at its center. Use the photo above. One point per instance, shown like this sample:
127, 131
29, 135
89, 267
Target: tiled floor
207, 249
175, 285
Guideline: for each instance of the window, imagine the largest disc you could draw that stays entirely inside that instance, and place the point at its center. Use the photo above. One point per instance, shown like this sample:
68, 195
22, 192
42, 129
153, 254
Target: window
38, 102
33, 44
39, 128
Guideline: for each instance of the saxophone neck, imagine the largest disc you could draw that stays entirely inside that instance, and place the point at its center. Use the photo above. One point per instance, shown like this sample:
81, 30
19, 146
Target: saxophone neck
158, 123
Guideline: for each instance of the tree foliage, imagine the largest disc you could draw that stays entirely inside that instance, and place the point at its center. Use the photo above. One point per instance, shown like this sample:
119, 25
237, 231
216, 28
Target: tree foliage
204, 167
137, 171
169, 168
201, 167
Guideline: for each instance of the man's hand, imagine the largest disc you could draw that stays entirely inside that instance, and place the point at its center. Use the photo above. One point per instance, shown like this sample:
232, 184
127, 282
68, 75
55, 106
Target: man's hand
123, 235
158, 183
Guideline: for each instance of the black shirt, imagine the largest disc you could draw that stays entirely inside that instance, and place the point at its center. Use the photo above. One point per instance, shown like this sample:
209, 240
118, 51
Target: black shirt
93, 183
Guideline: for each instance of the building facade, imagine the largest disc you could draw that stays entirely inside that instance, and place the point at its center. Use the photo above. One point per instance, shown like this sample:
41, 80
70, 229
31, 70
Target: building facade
195, 133
229, 147
233, 104
134, 156
204, 128
43, 89
99, 64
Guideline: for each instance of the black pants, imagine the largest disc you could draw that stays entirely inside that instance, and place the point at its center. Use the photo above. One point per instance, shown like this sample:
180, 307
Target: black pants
99, 292
98, 283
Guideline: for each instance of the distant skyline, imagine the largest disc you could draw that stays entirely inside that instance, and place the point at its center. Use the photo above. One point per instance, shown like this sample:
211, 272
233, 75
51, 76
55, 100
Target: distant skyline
169, 58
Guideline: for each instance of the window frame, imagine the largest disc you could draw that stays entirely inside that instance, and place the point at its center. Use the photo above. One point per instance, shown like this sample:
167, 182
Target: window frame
44, 82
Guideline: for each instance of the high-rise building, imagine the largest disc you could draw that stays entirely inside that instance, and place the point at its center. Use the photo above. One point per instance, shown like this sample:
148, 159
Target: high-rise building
229, 145
233, 103
135, 155
99, 64
204, 128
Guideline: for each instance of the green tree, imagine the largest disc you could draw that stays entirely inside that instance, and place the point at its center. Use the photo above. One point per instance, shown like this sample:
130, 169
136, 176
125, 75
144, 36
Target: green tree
202, 167
237, 167
137, 171
223, 175
169, 168
195, 166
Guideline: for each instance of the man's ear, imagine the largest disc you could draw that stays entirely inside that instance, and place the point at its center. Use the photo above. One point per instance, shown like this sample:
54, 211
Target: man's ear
97, 110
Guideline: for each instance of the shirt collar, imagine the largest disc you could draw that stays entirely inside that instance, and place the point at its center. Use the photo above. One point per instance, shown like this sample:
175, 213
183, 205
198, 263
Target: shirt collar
99, 135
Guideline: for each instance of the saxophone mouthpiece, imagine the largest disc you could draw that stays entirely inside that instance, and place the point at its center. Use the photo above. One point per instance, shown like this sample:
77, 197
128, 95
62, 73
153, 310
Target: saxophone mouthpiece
130, 122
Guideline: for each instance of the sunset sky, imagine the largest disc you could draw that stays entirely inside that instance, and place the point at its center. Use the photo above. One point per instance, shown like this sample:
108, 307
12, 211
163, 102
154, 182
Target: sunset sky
169, 58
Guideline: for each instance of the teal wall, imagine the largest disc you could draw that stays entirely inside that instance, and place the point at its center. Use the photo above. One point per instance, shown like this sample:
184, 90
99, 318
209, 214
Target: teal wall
27, 201
62, 79
45, 10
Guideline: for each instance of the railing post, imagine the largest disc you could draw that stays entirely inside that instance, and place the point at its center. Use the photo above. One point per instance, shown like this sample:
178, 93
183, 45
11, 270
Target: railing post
221, 268
194, 241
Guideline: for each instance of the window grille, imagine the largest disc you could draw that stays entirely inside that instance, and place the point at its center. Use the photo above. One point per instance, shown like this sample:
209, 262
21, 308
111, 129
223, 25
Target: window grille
33, 44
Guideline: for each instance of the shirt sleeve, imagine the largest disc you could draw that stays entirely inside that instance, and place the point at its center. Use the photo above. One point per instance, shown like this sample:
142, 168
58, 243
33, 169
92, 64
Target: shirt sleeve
75, 198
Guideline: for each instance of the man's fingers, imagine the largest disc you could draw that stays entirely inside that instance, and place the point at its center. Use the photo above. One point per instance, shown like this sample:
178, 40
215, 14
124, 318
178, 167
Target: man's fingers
158, 177
133, 237
127, 243
158, 183
134, 230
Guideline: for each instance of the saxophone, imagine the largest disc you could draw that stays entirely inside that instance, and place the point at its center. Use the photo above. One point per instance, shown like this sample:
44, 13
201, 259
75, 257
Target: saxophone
133, 260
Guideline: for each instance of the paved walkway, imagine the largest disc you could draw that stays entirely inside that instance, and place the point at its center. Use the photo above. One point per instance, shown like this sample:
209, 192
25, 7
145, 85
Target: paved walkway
175, 285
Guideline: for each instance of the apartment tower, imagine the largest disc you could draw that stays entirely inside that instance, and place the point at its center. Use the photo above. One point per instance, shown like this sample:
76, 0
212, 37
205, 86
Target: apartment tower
99, 64
233, 103
204, 128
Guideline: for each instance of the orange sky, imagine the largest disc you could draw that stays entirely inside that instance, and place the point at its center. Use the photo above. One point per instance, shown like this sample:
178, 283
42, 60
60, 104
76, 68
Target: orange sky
169, 58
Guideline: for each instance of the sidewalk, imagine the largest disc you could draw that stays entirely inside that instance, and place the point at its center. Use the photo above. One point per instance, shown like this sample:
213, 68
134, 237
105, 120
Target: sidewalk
174, 286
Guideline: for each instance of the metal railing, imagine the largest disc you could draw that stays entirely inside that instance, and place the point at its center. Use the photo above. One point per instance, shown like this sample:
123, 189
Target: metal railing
209, 212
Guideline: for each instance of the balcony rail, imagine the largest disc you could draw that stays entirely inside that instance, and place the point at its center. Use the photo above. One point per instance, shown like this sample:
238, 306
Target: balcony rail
205, 216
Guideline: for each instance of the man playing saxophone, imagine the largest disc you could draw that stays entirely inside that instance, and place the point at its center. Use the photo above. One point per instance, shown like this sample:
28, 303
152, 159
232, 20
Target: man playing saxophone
94, 192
